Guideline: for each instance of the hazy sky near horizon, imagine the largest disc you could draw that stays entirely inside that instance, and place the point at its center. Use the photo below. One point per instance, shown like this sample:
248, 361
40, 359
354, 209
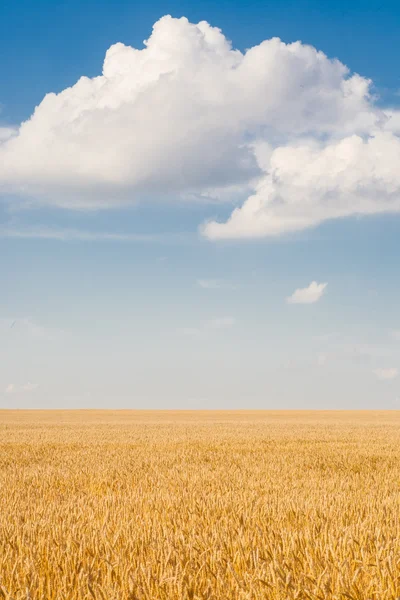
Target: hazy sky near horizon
207, 219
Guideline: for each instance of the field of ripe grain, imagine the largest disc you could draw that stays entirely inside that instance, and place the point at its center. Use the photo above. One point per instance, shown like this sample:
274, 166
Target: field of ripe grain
199, 505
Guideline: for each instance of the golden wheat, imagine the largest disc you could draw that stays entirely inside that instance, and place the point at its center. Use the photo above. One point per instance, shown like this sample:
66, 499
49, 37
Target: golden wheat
199, 505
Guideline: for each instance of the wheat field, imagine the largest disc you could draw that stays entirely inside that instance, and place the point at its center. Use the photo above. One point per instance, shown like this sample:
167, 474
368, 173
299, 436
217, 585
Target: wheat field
199, 505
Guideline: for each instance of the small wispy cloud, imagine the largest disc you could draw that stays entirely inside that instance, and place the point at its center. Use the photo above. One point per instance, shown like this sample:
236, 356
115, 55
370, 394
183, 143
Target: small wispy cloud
367, 351
27, 325
29, 387
215, 284
322, 359
386, 374
221, 323
328, 337
338, 347
192, 331
12, 388
307, 295
207, 326
71, 235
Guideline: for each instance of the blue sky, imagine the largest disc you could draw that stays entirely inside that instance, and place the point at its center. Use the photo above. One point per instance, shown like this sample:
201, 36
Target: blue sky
156, 222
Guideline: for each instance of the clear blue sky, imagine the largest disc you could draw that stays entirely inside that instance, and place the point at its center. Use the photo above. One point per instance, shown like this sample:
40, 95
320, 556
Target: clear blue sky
111, 296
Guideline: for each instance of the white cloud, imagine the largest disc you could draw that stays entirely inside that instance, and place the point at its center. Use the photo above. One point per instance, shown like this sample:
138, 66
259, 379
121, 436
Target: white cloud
6, 133
23, 324
322, 359
341, 348
308, 295
12, 388
71, 235
215, 284
190, 116
209, 284
28, 326
213, 324
386, 374
192, 331
221, 323
29, 387
393, 121
395, 334
308, 182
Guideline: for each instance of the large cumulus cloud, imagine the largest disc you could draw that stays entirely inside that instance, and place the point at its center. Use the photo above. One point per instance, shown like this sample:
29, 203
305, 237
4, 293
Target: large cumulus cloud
282, 125
311, 182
